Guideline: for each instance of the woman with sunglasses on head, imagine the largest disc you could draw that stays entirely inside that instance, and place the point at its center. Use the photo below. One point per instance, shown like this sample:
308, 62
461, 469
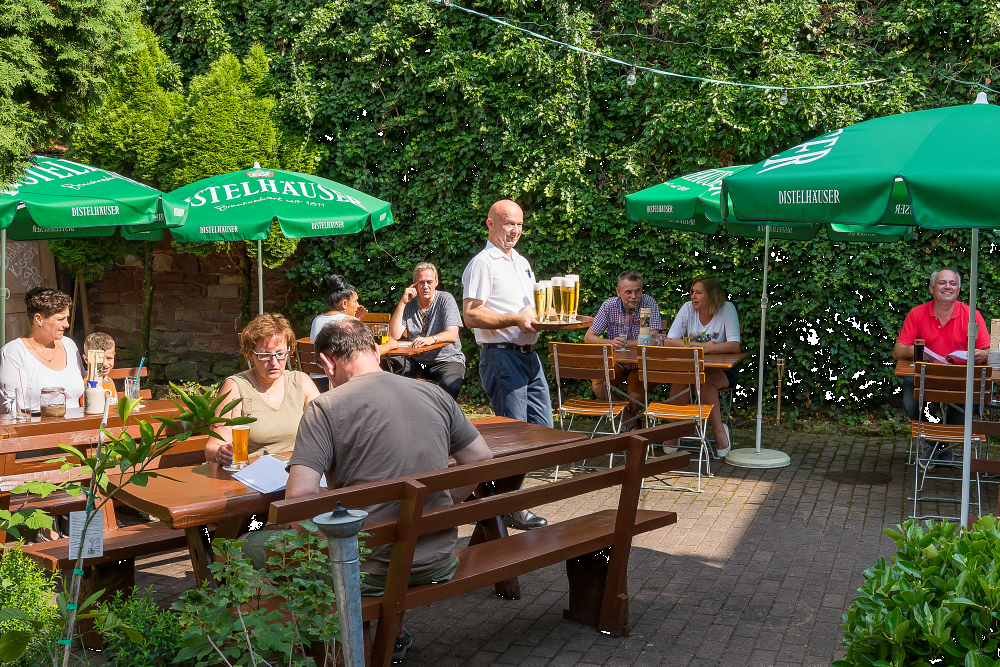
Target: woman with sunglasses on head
277, 396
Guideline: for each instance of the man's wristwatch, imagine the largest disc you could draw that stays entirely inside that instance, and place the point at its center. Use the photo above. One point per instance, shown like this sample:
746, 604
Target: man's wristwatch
435, 339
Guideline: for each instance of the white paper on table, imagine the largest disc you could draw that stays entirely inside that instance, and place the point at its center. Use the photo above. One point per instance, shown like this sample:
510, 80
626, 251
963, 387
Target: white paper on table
267, 475
94, 545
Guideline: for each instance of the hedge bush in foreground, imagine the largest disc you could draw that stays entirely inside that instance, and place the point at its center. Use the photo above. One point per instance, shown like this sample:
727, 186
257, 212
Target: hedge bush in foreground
937, 602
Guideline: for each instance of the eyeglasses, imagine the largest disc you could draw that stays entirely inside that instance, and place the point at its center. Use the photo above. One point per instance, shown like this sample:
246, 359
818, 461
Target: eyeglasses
267, 356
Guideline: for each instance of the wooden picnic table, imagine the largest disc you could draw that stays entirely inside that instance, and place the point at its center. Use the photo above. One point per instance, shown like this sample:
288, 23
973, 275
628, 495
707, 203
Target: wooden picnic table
725, 361
75, 420
206, 494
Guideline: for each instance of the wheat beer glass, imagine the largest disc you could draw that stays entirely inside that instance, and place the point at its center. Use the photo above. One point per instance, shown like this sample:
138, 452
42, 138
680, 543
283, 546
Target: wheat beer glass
541, 301
241, 447
557, 297
566, 299
575, 295
548, 299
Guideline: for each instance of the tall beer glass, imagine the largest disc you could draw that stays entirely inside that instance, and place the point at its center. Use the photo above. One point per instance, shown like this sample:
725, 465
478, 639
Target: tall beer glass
575, 301
548, 299
557, 297
541, 301
241, 443
566, 299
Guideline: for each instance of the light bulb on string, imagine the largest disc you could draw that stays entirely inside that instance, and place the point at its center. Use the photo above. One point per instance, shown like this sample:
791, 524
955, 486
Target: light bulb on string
446, 3
784, 97
631, 76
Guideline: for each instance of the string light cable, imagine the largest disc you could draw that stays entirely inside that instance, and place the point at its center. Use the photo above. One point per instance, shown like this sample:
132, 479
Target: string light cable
967, 83
450, 4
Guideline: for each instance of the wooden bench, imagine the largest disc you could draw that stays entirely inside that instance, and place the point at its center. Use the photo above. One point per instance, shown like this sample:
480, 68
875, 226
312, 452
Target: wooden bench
595, 547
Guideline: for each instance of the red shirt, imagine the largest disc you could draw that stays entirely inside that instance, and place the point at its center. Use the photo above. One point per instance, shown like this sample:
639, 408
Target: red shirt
921, 322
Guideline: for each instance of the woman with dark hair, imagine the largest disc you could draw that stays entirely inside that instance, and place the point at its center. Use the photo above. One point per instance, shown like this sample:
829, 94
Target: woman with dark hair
44, 357
709, 321
341, 302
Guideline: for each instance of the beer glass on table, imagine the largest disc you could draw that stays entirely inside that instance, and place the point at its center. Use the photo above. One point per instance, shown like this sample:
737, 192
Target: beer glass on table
918, 350
241, 441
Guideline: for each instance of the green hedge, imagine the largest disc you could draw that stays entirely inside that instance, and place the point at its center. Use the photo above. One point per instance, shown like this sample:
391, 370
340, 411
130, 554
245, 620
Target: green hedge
442, 113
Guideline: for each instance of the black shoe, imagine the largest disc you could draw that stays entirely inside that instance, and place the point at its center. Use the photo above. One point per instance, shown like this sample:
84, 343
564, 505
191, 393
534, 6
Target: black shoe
524, 520
403, 644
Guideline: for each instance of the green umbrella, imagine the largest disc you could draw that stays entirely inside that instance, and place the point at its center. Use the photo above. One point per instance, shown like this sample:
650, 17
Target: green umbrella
944, 159
240, 206
692, 203
57, 199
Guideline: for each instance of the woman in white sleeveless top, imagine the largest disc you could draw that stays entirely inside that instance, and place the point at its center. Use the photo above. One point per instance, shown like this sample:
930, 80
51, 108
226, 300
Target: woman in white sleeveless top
708, 321
45, 357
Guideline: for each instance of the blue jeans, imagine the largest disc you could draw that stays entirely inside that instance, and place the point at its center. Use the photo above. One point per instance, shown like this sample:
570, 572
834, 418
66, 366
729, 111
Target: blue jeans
516, 385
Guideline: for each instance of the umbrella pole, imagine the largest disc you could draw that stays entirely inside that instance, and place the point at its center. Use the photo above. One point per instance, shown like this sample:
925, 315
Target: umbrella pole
3, 287
763, 320
260, 276
757, 457
970, 371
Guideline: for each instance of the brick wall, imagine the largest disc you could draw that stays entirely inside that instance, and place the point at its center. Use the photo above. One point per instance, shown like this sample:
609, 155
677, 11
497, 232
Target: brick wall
195, 309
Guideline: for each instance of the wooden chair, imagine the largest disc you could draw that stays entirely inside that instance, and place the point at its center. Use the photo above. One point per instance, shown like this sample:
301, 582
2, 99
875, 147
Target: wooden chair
581, 361
376, 318
122, 373
943, 383
595, 547
306, 356
678, 366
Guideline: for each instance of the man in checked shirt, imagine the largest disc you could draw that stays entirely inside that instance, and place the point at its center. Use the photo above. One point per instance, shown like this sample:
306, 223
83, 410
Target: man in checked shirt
618, 317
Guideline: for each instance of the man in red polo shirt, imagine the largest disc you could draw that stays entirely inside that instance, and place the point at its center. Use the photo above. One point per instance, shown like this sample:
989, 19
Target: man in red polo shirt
943, 324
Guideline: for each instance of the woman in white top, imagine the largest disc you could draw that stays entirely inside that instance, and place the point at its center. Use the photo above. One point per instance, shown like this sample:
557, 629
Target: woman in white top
44, 357
710, 322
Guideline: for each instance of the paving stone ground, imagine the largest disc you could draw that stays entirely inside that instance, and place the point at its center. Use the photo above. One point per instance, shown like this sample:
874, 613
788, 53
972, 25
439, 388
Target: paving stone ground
757, 570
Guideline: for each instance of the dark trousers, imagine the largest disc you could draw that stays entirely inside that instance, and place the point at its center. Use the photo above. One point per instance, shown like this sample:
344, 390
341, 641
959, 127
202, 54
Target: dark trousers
516, 385
448, 374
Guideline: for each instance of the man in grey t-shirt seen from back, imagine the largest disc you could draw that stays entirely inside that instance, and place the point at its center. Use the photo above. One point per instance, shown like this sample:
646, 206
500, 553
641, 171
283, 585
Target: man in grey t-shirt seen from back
372, 426
428, 317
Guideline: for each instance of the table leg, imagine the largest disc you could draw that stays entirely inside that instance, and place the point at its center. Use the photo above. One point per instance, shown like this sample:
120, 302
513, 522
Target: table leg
201, 553
495, 529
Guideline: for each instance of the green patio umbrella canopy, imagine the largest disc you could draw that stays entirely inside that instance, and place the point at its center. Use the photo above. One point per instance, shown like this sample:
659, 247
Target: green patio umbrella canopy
692, 203
58, 199
240, 206
946, 159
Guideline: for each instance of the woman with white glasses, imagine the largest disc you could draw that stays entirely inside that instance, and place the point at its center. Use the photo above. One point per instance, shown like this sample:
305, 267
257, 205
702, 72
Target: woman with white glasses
276, 396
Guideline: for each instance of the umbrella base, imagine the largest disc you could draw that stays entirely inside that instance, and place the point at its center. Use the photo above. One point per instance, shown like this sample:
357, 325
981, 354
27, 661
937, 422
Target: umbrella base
747, 457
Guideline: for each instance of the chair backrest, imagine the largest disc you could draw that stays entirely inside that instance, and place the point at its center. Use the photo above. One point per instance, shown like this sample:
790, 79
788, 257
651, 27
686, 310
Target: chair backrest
307, 357
581, 361
122, 373
672, 365
376, 318
945, 383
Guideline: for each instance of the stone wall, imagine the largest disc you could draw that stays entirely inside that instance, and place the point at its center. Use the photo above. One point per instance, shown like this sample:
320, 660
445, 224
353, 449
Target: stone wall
195, 310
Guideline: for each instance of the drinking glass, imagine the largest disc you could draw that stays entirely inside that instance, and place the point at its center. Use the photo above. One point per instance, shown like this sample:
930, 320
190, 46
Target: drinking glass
548, 300
241, 446
557, 297
541, 304
575, 295
918, 350
132, 389
22, 405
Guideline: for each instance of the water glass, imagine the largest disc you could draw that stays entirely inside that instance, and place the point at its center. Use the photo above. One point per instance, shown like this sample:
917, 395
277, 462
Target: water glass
22, 405
132, 388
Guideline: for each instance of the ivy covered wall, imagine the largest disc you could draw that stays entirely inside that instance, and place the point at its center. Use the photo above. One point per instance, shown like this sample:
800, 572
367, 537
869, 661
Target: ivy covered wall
441, 113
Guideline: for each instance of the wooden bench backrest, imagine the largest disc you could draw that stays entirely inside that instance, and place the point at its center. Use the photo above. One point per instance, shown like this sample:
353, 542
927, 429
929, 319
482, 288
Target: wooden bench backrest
412, 521
376, 318
307, 357
122, 373
945, 383
669, 365
580, 361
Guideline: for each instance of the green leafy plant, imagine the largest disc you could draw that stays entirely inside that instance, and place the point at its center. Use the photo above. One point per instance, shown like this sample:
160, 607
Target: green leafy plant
159, 629
238, 623
131, 457
937, 601
27, 588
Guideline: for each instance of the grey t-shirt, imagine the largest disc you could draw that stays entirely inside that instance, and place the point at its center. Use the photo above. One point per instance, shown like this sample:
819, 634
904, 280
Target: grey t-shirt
378, 426
441, 314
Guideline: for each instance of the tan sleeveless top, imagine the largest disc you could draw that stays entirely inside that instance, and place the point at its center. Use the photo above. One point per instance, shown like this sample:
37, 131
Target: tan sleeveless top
274, 431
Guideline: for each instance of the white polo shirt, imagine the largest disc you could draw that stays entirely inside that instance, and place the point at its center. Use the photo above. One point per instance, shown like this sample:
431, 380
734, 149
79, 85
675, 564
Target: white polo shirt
505, 285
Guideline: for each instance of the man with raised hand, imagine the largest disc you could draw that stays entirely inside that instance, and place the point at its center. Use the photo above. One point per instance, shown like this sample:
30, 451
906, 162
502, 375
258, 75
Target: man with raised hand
498, 304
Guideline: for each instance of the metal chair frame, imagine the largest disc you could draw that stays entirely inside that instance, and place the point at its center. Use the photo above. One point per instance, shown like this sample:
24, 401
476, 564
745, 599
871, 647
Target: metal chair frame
694, 376
944, 436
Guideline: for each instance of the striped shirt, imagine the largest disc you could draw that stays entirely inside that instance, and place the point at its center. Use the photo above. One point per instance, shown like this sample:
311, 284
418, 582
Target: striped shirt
611, 318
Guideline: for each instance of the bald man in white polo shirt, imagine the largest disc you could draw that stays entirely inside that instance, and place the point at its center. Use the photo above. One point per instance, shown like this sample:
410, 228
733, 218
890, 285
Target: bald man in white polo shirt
497, 304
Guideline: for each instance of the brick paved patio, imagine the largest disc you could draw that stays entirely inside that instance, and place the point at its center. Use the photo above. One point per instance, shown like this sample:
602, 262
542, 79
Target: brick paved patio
757, 570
